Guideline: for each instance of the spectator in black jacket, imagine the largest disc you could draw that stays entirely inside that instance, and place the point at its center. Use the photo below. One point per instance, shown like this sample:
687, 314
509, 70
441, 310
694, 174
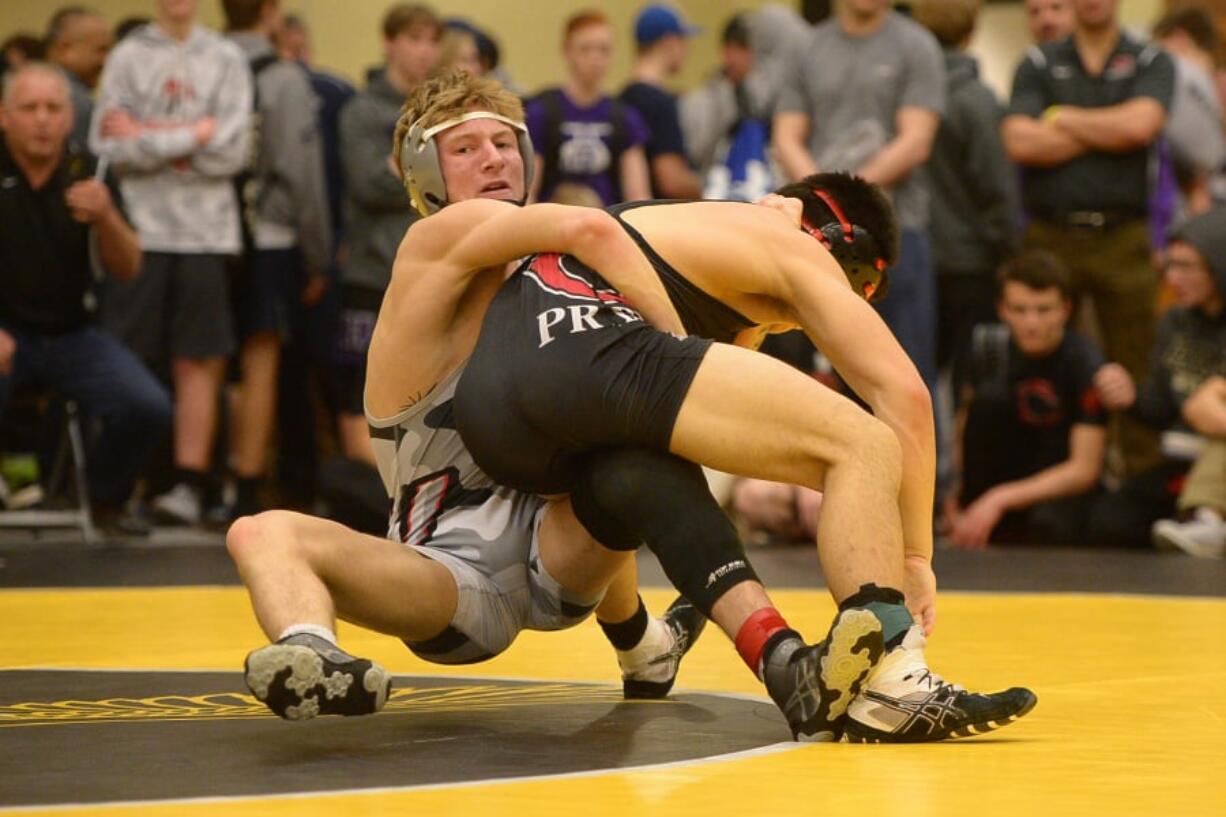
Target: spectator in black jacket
974, 224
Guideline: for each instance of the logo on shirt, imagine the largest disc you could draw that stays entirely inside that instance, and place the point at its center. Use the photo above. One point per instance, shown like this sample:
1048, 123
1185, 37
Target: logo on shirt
1038, 403
1122, 66
583, 151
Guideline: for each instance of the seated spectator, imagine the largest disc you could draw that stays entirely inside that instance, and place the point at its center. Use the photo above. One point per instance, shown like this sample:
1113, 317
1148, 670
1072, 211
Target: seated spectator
50, 203
581, 135
1185, 397
1033, 430
662, 38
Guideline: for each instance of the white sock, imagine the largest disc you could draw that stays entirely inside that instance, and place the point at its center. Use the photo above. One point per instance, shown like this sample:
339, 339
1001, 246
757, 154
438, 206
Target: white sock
656, 639
309, 629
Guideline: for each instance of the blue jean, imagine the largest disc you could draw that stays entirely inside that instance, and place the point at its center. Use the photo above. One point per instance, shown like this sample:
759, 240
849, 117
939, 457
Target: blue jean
126, 411
910, 306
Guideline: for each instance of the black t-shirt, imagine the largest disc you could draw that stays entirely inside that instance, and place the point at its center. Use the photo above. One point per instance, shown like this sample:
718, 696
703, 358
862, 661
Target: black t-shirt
45, 274
1053, 74
1019, 419
659, 110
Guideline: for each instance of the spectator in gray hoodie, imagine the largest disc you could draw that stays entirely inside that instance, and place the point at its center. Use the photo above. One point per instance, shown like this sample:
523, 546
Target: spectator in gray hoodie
974, 224
172, 118
288, 231
377, 208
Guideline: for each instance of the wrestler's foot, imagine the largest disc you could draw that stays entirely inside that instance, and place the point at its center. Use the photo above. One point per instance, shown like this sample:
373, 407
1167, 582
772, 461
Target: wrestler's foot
813, 686
652, 676
302, 676
904, 702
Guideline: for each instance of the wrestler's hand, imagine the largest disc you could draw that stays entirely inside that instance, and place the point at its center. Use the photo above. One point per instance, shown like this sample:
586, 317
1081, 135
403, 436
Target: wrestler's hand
790, 207
920, 587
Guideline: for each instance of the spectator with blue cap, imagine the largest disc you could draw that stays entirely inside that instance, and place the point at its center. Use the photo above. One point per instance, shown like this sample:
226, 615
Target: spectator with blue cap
662, 35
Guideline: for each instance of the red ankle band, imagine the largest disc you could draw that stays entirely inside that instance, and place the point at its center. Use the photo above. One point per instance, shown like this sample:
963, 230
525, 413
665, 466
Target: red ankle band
752, 637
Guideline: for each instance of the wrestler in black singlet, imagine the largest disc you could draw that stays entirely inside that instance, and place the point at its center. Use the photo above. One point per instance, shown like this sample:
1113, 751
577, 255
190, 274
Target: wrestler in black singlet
564, 366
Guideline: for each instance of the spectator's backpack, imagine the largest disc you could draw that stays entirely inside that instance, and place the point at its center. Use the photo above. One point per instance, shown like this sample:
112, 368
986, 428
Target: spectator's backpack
619, 142
247, 182
988, 371
741, 170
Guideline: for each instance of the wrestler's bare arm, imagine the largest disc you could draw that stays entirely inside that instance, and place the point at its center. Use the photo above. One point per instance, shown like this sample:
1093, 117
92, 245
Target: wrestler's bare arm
864, 351
449, 266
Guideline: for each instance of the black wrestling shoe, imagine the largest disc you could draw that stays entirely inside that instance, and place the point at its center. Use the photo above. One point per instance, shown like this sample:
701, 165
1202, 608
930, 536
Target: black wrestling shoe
904, 702
814, 686
654, 677
303, 675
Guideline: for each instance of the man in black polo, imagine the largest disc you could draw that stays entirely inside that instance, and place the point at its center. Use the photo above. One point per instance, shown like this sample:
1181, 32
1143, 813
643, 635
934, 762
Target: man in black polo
49, 205
1084, 114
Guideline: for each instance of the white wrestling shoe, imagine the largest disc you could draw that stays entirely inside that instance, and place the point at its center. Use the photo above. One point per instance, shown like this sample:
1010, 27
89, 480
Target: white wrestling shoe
904, 702
650, 669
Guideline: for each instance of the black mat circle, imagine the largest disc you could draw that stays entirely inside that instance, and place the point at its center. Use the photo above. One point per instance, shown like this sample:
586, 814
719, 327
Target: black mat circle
95, 737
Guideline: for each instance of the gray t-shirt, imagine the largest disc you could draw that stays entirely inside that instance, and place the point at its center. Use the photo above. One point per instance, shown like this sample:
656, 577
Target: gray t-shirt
852, 88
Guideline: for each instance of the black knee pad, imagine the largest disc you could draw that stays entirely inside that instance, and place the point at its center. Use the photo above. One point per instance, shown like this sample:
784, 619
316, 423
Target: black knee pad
629, 496
600, 496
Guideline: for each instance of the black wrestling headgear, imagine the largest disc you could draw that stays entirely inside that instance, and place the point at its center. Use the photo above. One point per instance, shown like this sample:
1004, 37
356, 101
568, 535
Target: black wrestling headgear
854, 248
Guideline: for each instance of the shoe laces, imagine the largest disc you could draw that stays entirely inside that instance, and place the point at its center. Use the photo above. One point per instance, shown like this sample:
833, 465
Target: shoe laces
677, 649
933, 681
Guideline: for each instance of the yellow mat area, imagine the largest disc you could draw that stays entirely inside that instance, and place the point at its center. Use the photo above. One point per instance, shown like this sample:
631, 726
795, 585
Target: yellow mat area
1131, 717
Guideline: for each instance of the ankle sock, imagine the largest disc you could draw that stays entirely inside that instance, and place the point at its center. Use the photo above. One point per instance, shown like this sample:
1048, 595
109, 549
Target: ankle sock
316, 630
625, 635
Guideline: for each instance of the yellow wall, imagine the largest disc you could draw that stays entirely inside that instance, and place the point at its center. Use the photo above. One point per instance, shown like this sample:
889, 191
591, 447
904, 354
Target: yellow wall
347, 39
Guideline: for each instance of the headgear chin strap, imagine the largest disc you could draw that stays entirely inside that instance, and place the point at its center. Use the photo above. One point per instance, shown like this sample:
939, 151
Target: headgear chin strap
855, 250
423, 170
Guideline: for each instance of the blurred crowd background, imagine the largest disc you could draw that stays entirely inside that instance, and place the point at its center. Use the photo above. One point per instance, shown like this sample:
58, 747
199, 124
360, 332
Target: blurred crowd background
198, 215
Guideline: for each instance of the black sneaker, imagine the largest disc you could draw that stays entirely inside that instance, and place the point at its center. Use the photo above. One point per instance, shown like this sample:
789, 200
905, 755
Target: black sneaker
303, 675
655, 678
904, 702
813, 686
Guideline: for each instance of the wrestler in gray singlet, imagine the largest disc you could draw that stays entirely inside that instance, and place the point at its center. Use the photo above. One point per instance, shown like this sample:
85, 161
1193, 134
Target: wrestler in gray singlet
449, 510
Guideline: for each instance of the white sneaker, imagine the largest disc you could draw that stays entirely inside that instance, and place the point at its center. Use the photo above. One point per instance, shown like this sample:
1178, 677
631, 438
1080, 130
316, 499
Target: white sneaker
904, 702
178, 506
1204, 535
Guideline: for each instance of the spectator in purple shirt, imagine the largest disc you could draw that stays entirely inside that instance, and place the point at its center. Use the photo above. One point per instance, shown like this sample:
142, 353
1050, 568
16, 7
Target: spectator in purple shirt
581, 135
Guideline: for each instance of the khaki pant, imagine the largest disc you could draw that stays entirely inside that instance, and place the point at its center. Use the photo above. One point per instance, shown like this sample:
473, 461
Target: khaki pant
1112, 267
1206, 485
